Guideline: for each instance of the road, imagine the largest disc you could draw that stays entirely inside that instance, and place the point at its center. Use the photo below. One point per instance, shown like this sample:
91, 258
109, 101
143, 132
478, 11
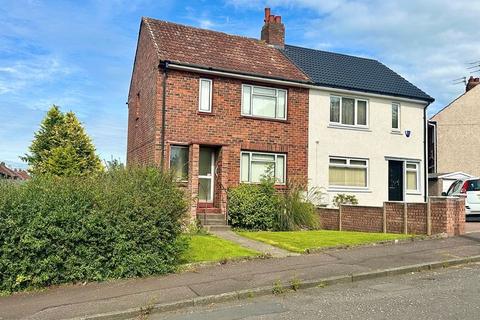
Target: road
452, 293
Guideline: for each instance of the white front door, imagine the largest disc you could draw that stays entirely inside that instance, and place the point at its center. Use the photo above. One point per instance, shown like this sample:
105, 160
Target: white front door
206, 170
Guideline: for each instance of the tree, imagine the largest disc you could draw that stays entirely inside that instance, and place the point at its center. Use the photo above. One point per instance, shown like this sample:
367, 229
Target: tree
61, 147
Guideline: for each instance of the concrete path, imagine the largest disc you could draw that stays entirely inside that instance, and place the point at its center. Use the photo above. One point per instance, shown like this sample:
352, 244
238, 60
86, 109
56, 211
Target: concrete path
72, 301
254, 245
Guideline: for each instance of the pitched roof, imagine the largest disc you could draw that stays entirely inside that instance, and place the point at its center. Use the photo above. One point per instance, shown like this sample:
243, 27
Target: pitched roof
211, 49
352, 73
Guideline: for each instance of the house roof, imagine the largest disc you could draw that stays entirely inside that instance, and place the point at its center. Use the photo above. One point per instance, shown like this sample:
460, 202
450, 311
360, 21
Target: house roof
13, 174
352, 73
216, 50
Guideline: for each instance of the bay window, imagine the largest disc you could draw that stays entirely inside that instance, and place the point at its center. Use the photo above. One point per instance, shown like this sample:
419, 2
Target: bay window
256, 165
348, 111
264, 102
348, 172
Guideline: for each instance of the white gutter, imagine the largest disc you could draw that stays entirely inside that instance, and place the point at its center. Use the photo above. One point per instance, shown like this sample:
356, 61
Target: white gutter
289, 83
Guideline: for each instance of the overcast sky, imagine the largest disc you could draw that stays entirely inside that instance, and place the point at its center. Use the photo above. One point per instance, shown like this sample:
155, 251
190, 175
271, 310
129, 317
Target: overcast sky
79, 54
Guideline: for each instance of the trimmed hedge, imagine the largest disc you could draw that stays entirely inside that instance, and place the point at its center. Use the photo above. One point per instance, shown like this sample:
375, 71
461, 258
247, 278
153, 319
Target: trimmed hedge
122, 223
253, 206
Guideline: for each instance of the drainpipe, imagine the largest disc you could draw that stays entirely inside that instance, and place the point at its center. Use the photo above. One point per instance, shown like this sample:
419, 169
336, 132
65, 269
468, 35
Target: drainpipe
425, 153
164, 67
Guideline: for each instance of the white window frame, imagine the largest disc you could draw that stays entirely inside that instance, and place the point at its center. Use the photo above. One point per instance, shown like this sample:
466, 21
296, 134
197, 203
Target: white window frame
417, 171
250, 153
200, 95
188, 159
355, 125
399, 117
251, 114
348, 165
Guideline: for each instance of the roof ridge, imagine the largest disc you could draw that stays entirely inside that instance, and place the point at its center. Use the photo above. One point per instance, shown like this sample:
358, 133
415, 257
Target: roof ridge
202, 29
332, 52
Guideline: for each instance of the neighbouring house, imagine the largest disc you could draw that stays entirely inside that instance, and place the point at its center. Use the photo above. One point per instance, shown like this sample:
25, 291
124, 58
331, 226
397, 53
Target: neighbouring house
221, 109
12, 174
454, 143
366, 128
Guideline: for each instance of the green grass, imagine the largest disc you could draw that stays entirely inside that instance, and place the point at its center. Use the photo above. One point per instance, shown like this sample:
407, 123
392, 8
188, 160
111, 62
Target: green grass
205, 248
301, 241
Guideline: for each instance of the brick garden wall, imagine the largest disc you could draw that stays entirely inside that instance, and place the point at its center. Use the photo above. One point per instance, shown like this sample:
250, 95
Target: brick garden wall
447, 215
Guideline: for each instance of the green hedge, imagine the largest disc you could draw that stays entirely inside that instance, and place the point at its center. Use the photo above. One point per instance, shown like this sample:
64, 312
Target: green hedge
253, 206
122, 223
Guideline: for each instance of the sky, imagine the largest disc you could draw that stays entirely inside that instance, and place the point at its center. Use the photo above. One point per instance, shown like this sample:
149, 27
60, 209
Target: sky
79, 54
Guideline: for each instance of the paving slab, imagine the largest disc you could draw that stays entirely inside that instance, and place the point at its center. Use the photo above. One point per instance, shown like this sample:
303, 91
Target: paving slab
262, 247
79, 301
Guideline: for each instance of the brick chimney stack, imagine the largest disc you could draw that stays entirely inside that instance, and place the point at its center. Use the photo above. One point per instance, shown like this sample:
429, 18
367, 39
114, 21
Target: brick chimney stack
273, 31
472, 82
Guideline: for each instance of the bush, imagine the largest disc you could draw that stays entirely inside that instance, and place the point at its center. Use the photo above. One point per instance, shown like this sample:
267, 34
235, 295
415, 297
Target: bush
298, 210
253, 206
341, 198
122, 223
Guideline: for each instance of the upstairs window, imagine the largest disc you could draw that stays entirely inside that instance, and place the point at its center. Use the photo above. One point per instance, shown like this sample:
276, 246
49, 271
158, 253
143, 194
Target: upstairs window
179, 162
395, 116
264, 102
348, 111
205, 96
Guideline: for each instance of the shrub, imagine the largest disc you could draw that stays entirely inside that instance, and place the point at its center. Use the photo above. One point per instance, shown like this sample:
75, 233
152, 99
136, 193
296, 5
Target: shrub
298, 210
121, 223
253, 206
341, 198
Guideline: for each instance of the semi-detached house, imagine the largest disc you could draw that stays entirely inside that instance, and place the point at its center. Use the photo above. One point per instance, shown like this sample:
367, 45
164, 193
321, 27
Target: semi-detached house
220, 109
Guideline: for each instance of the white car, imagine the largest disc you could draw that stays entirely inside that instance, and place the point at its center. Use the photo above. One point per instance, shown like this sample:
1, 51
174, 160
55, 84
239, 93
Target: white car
470, 189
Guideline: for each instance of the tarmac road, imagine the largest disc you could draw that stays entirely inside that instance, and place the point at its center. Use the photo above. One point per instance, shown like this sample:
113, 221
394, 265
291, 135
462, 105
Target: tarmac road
452, 293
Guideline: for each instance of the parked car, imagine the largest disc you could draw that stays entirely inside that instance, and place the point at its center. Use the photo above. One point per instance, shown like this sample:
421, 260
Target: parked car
470, 189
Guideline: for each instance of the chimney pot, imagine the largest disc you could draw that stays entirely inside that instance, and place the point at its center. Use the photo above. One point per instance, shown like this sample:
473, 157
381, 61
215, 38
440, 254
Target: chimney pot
273, 31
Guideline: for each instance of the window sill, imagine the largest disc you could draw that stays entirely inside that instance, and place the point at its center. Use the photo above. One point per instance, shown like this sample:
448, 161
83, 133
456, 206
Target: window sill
397, 132
347, 127
351, 190
413, 193
264, 119
205, 113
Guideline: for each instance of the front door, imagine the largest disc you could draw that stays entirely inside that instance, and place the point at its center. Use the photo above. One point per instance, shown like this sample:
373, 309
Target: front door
206, 169
395, 180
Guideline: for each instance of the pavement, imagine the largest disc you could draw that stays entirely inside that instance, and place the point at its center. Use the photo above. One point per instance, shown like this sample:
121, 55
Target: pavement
212, 283
443, 294
262, 247
472, 227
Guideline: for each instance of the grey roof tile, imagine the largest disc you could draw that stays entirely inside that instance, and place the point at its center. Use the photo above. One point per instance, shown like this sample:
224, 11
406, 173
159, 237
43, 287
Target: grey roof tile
353, 73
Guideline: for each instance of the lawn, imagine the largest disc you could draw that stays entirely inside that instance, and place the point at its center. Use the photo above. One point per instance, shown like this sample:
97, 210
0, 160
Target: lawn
300, 241
205, 248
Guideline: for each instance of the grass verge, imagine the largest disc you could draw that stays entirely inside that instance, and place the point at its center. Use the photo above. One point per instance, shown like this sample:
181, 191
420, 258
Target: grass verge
303, 241
207, 248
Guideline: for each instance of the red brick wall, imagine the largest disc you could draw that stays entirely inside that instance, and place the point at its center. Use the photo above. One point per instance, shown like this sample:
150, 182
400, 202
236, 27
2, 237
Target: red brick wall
226, 126
328, 218
362, 218
447, 216
142, 103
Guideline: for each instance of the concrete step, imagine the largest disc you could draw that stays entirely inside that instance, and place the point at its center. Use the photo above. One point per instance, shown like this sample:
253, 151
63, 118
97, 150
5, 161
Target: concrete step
222, 227
209, 211
211, 219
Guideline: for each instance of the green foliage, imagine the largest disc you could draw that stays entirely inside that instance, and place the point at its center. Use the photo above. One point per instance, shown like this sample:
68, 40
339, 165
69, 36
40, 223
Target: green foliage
61, 147
342, 198
298, 209
261, 207
121, 223
253, 206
